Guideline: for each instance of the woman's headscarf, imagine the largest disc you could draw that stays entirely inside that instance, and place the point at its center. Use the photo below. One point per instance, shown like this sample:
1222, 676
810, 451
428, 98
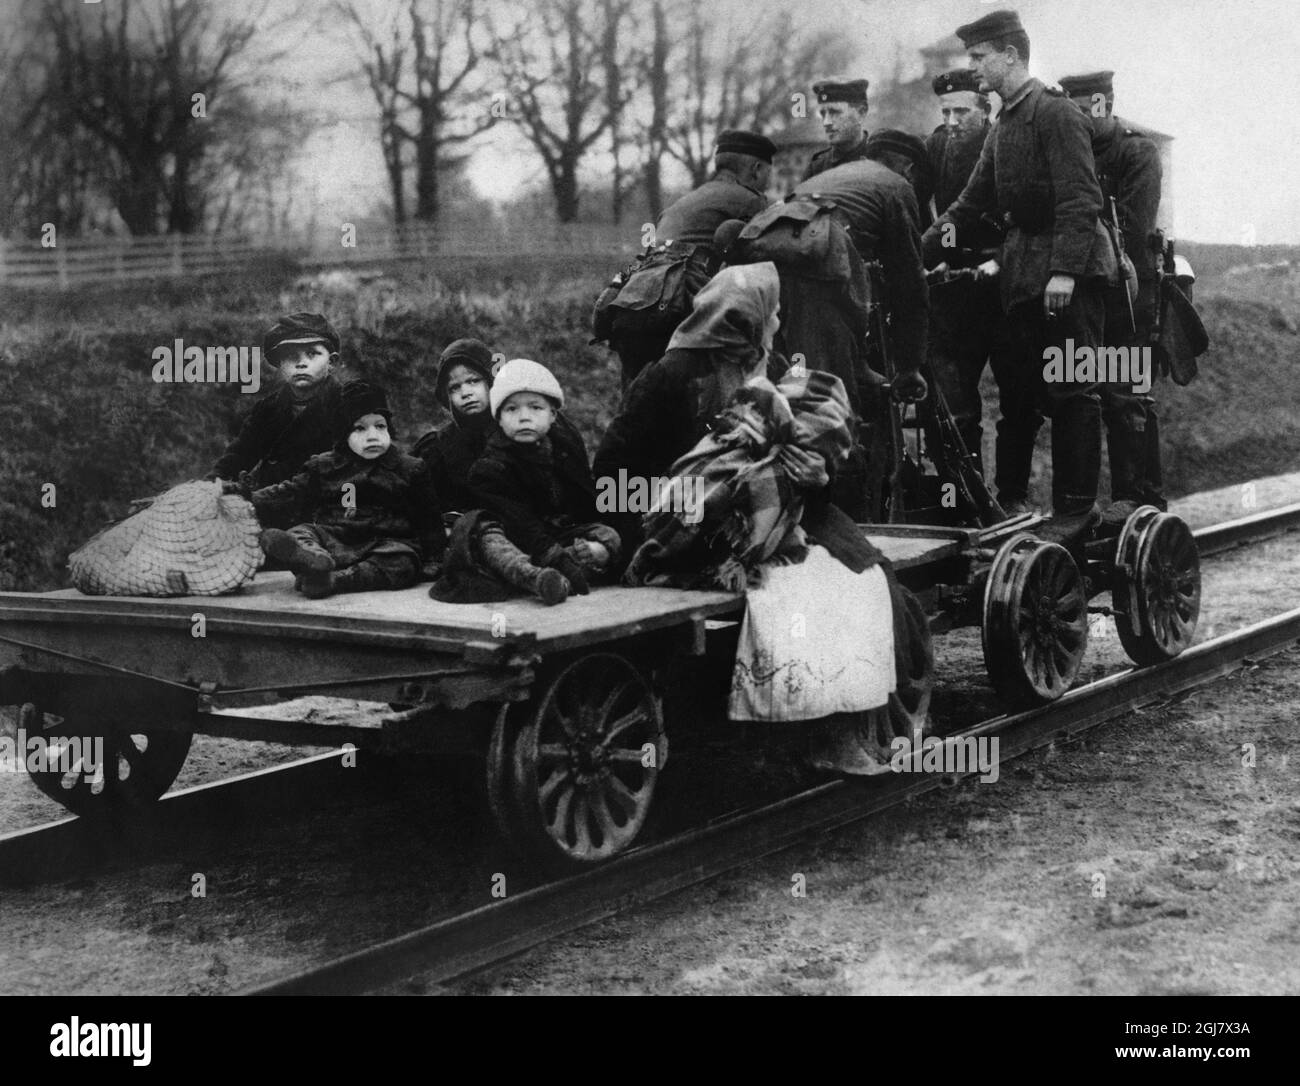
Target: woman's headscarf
731, 311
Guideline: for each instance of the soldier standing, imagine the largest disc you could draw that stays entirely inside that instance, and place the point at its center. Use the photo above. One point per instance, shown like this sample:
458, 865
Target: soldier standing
1036, 172
1128, 170
842, 109
967, 329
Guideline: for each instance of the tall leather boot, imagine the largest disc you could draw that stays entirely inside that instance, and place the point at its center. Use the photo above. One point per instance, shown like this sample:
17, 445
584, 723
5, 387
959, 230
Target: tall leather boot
1076, 468
1014, 452
1153, 476
1126, 448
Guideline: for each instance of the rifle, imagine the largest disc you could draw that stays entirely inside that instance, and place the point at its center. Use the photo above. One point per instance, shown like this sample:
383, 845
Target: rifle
1117, 242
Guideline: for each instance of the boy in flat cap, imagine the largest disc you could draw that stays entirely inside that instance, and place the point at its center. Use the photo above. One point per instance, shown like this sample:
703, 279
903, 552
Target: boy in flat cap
1129, 172
737, 190
842, 110
296, 420
375, 521
1036, 173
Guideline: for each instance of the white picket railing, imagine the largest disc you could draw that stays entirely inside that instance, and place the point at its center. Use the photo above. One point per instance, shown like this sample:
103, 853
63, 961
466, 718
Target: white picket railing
75, 261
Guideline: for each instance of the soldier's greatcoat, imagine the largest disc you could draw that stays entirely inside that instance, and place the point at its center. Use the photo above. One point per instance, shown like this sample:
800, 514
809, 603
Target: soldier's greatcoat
1128, 169
830, 157
693, 218
879, 209
1036, 172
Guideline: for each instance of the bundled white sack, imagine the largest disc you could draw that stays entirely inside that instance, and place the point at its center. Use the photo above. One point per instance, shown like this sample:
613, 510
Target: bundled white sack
192, 540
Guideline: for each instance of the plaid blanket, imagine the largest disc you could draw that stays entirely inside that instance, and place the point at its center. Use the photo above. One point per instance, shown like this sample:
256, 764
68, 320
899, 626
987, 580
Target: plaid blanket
751, 507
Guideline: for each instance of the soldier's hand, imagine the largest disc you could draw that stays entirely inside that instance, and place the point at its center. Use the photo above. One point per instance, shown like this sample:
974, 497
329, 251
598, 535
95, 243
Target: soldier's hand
987, 270
909, 387
1059, 292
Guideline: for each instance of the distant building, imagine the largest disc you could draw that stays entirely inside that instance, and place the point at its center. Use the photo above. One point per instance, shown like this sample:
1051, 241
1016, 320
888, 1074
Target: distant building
911, 106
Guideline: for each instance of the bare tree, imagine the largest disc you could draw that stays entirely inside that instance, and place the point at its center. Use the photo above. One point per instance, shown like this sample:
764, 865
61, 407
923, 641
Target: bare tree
654, 137
562, 62
742, 73
129, 76
423, 65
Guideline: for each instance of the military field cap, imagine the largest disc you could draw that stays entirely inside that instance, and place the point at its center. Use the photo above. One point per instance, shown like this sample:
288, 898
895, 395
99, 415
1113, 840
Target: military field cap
891, 139
853, 91
959, 79
739, 142
299, 328
1077, 86
996, 24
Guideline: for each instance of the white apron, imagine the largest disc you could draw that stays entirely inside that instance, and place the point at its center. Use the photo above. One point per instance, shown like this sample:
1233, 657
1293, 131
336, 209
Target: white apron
816, 639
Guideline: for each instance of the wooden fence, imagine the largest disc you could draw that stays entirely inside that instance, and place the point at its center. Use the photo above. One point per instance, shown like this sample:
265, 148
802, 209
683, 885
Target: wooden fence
77, 261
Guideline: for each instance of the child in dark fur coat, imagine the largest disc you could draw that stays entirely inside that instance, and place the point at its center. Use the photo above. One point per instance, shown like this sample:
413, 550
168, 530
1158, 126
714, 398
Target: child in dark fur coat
541, 532
375, 521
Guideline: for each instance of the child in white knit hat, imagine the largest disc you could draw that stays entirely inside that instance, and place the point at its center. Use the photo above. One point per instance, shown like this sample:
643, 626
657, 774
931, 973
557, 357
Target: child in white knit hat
534, 480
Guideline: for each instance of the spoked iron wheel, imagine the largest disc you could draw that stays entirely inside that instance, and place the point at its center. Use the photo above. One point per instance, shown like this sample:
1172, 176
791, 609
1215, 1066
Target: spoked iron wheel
98, 770
1035, 625
1156, 589
568, 777
908, 712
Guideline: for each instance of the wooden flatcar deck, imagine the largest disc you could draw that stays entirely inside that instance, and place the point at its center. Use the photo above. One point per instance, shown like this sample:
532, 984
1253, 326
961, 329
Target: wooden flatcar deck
409, 619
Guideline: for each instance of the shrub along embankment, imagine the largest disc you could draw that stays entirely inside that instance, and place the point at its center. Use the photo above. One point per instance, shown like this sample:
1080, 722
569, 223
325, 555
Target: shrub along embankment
79, 409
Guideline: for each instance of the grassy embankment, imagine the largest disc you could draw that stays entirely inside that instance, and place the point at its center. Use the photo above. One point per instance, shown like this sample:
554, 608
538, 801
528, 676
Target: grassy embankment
78, 408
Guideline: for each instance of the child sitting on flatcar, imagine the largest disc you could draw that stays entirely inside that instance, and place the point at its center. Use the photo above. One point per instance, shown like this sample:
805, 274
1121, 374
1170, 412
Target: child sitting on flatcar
375, 520
461, 384
537, 529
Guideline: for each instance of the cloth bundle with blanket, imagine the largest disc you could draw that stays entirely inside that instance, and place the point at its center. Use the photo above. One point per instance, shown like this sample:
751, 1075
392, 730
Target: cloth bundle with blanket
189, 541
750, 506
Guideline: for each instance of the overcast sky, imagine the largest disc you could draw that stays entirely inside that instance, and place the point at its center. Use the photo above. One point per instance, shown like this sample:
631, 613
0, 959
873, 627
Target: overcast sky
1219, 75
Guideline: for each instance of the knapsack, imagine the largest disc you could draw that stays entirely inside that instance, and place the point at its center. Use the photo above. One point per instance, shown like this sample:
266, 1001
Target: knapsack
649, 298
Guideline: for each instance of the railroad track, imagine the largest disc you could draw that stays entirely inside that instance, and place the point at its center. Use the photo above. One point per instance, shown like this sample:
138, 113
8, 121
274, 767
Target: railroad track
472, 941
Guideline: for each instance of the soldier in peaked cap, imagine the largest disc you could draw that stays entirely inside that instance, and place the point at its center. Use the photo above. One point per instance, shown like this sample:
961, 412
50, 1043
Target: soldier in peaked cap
742, 164
967, 329
1128, 170
842, 109
1036, 173
906, 155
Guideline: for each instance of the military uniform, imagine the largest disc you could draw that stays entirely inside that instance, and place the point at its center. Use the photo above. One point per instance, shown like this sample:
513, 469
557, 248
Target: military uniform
830, 157
1128, 170
1035, 172
967, 327
854, 93
691, 221
878, 209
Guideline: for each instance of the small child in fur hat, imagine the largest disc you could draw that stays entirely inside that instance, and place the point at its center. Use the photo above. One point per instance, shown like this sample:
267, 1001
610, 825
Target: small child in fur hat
375, 521
534, 480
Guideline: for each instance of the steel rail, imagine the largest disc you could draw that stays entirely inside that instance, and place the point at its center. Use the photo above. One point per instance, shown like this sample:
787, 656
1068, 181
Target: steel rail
493, 933
35, 852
